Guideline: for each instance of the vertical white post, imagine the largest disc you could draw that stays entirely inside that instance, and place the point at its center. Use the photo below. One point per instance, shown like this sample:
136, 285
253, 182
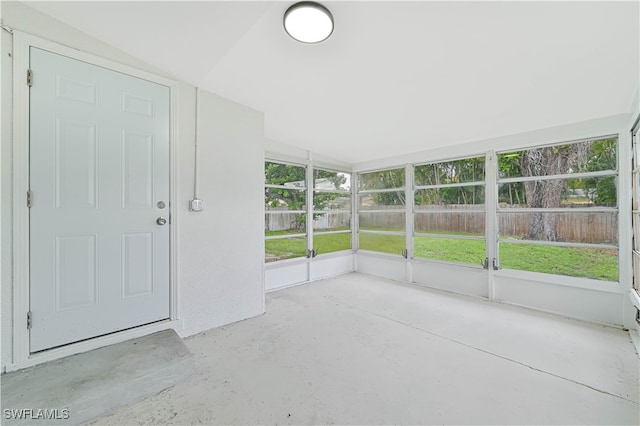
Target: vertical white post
625, 227
309, 221
355, 223
409, 206
491, 218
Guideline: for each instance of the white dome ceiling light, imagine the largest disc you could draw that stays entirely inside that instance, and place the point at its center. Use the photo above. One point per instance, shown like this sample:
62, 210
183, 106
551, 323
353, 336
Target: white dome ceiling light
308, 22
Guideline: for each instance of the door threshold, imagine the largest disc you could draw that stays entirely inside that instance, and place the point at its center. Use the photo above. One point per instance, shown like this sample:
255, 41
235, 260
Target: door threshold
95, 343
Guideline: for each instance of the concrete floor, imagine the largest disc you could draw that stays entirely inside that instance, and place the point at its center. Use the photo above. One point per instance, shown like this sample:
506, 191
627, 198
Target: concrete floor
364, 350
93, 383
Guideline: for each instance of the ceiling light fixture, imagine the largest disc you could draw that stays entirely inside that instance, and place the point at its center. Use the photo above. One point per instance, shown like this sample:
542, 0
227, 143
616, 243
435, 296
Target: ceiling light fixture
308, 22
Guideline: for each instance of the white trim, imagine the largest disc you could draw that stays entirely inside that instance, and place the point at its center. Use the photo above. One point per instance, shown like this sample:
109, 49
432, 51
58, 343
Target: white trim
283, 236
558, 210
564, 176
450, 185
491, 221
579, 131
559, 142
399, 210
332, 210
345, 231
563, 280
309, 171
409, 222
635, 298
296, 162
297, 188
20, 187
419, 210
22, 42
381, 254
557, 243
378, 191
331, 191
368, 231
284, 211
427, 261
286, 262
95, 343
478, 155
450, 236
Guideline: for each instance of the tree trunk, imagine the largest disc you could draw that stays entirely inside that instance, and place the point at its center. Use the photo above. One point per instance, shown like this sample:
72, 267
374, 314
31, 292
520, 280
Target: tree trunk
546, 193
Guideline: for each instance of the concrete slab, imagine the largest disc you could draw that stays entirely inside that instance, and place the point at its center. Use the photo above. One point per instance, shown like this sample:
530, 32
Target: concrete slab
358, 349
81, 387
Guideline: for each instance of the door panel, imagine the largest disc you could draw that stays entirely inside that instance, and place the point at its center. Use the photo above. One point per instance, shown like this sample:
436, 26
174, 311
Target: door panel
99, 166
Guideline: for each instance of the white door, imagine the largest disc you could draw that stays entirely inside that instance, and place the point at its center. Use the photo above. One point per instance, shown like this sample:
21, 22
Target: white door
99, 177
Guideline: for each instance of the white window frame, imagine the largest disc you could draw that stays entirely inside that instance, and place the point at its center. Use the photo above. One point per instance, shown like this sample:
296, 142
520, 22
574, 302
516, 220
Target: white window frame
482, 209
635, 189
348, 193
276, 212
406, 211
567, 176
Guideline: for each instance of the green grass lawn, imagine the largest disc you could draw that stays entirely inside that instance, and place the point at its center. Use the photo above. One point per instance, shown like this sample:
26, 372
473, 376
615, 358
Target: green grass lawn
599, 264
289, 248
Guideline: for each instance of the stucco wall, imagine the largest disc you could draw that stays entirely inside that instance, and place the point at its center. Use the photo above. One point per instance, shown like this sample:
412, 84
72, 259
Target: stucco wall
220, 269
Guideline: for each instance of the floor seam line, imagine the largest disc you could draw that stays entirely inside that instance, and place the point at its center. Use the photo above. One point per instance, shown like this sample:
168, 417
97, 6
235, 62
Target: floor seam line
488, 352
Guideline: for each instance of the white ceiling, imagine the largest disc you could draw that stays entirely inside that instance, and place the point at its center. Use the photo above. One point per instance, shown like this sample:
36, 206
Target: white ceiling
395, 77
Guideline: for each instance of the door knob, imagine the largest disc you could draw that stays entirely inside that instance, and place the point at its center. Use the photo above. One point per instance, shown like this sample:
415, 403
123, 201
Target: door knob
161, 221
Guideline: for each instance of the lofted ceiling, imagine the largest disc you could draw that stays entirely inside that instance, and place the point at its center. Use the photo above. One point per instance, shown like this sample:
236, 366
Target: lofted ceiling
395, 77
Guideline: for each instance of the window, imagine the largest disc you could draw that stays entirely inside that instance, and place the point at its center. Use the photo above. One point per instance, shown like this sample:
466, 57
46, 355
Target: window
558, 209
285, 198
449, 214
381, 211
331, 211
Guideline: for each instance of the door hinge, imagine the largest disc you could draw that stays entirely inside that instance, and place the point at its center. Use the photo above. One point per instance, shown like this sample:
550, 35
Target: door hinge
29, 78
29, 199
29, 320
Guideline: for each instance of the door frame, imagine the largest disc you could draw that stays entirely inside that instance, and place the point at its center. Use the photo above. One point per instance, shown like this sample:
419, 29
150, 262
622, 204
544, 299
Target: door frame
22, 356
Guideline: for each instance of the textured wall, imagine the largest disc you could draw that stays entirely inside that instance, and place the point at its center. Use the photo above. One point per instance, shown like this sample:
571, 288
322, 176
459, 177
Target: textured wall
220, 267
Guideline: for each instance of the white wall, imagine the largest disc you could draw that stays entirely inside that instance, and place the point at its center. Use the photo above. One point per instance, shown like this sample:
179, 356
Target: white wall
220, 269
220, 249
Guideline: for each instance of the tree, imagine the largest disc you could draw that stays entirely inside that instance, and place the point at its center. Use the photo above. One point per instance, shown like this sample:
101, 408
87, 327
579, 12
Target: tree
509, 167
295, 198
385, 179
586, 156
552, 160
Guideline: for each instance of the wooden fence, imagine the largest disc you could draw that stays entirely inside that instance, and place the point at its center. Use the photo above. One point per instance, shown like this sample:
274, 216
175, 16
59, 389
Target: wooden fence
292, 221
596, 228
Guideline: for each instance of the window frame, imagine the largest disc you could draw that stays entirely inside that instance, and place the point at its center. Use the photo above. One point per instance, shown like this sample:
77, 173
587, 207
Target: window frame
311, 202
402, 211
635, 206
302, 189
580, 175
478, 208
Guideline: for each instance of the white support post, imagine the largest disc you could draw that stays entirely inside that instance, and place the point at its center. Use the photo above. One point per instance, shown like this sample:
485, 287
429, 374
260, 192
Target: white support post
309, 221
409, 206
355, 223
625, 227
491, 218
